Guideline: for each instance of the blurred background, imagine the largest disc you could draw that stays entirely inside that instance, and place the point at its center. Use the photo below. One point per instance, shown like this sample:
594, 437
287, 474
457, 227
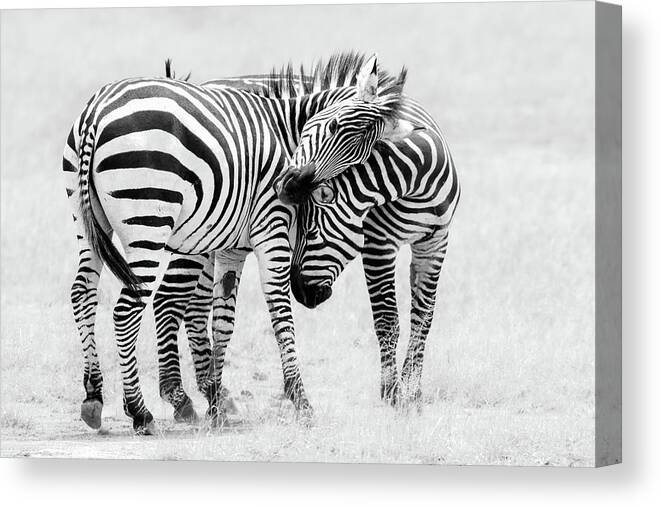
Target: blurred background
509, 369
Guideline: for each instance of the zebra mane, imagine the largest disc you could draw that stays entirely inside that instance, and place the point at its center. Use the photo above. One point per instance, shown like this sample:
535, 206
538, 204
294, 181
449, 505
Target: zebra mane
169, 71
340, 70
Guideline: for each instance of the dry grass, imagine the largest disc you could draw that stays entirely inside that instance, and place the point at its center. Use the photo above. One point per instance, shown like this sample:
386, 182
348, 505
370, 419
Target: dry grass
509, 369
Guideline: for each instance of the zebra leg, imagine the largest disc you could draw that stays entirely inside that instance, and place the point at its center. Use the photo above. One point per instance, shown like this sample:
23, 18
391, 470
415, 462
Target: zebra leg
170, 303
84, 303
127, 316
426, 263
227, 273
196, 320
379, 261
274, 259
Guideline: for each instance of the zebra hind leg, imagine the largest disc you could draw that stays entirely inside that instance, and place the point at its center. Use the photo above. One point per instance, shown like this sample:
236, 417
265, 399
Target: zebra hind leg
84, 303
170, 303
426, 263
379, 264
127, 316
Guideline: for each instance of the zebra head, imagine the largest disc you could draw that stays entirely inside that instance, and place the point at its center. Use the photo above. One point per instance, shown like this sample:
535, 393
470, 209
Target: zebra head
329, 216
328, 235
344, 133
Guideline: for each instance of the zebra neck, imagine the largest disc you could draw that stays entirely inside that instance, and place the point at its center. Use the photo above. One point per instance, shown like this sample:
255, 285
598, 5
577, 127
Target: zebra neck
378, 181
283, 122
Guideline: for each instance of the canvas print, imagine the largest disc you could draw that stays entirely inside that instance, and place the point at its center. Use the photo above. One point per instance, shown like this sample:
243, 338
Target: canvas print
367, 240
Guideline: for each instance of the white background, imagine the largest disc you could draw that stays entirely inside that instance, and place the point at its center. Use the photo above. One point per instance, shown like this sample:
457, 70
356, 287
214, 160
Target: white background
635, 482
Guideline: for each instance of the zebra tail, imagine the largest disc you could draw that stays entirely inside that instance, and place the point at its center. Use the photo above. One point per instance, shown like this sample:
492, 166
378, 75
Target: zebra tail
96, 236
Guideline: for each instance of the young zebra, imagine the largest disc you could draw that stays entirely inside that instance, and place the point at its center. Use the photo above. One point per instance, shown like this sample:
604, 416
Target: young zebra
407, 193
420, 218
168, 165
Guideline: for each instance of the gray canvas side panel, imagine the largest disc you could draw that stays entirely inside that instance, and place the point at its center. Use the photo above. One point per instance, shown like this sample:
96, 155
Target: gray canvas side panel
608, 247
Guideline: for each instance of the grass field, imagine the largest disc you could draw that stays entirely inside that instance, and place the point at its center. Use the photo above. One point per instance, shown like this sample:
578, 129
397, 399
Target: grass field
509, 369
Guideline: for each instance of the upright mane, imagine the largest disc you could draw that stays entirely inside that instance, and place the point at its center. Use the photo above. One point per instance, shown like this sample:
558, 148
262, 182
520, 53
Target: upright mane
169, 71
341, 69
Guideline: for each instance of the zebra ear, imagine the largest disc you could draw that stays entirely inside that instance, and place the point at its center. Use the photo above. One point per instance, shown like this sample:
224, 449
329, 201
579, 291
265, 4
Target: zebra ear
395, 130
368, 80
295, 185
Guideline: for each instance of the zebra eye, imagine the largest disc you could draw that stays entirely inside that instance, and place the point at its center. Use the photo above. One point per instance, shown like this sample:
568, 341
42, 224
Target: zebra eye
332, 126
323, 194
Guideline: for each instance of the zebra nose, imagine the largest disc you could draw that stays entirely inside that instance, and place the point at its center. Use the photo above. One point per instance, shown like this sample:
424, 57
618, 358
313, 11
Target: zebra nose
314, 295
293, 186
321, 294
309, 295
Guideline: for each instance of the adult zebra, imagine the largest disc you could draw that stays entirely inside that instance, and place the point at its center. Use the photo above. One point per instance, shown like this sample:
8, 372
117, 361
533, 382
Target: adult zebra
420, 218
168, 165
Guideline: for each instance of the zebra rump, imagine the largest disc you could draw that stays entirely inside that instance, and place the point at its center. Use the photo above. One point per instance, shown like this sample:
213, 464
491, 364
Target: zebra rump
98, 239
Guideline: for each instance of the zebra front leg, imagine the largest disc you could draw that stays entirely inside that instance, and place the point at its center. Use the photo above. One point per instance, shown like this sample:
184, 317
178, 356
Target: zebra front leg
426, 263
274, 259
84, 302
227, 273
196, 321
379, 262
171, 301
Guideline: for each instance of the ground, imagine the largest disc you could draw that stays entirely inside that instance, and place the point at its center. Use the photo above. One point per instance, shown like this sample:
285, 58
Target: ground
509, 368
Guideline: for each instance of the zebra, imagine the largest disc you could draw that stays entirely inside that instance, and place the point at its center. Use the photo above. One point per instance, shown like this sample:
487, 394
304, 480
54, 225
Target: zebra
404, 193
421, 221
171, 166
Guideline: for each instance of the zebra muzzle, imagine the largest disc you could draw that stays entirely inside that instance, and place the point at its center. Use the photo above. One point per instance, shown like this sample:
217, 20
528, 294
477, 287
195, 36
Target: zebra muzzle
295, 184
308, 294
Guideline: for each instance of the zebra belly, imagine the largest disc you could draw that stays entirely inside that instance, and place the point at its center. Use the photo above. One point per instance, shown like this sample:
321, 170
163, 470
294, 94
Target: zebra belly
402, 222
222, 235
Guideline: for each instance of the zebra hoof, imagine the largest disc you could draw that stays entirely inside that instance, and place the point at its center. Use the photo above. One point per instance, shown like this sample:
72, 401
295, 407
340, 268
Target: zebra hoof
410, 402
144, 425
90, 412
186, 413
305, 414
148, 429
216, 417
390, 394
